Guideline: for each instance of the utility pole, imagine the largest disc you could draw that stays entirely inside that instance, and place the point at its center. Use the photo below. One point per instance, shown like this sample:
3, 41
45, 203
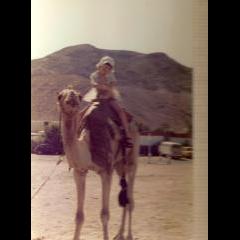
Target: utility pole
149, 146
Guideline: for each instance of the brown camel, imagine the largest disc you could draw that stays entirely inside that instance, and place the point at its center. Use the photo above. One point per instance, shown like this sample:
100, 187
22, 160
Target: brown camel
79, 158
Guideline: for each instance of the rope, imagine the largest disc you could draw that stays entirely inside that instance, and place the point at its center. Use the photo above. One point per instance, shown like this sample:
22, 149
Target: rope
49, 176
46, 180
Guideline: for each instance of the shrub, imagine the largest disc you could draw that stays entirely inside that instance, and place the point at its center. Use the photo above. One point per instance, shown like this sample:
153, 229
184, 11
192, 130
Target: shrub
53, 139
142, 127
51, 143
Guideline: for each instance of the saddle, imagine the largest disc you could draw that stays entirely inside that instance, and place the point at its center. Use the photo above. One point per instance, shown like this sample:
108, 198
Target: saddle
106, 112
95, 118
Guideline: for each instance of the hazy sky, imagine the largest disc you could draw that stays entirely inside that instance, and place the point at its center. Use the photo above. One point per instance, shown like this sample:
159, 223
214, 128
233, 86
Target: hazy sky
139, 25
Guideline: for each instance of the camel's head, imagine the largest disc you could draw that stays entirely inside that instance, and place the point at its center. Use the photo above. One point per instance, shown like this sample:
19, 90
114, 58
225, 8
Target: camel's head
69, 100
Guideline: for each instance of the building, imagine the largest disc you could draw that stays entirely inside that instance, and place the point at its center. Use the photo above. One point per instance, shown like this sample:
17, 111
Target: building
150, 141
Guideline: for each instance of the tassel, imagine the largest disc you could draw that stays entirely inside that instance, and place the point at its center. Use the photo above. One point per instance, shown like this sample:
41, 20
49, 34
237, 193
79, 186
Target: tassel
122, 198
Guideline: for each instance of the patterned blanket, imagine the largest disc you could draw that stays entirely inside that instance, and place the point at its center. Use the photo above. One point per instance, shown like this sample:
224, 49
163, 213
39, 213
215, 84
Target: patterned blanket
96, 120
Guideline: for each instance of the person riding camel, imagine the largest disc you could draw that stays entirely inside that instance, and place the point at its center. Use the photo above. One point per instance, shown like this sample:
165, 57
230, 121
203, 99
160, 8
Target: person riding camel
103, 83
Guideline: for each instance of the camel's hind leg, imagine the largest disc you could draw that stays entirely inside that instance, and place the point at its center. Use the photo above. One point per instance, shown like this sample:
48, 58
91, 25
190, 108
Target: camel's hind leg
130, 206
106, 187
120, 236
79, 178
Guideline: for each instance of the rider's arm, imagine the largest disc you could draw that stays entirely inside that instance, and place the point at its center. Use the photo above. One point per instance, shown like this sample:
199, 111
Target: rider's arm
98, 85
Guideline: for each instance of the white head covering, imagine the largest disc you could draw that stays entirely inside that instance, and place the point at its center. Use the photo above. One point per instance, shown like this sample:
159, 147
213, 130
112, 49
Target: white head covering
104, 60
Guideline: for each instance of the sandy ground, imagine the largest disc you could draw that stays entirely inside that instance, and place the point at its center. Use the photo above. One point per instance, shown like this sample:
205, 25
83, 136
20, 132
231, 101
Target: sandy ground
163, 202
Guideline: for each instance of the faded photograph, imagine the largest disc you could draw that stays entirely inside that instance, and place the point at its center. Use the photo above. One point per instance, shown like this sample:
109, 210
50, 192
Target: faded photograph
112, 120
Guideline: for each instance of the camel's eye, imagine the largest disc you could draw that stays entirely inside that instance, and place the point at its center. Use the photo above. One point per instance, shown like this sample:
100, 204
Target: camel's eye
59, 97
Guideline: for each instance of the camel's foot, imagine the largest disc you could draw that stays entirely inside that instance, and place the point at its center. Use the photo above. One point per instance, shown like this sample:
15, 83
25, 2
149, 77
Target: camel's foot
119, 236
76, 238
129, 237
106, 237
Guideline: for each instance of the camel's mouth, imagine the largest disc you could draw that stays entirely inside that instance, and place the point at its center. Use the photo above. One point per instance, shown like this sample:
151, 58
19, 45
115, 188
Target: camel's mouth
72, 103
69, 100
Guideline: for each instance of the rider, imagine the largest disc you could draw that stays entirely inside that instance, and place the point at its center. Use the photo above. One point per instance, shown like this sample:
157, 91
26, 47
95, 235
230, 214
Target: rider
104, 87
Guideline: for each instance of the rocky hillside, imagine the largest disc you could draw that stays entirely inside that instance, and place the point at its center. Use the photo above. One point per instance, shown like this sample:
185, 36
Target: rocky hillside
154, 87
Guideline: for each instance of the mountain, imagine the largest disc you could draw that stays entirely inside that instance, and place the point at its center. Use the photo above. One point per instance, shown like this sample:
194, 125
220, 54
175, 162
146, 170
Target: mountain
156, 89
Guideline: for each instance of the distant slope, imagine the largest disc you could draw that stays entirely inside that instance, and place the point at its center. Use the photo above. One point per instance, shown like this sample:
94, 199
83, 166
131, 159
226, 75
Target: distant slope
154, 87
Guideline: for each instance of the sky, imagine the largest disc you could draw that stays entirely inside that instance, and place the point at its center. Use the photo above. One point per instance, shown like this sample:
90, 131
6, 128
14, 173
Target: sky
138, 25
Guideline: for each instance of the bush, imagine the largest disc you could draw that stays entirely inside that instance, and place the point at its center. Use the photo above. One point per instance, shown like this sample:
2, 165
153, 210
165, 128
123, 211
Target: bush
51, 144
142, 127
53, 139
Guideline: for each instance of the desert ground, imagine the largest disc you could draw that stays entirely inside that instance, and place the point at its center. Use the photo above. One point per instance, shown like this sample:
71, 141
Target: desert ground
163, 201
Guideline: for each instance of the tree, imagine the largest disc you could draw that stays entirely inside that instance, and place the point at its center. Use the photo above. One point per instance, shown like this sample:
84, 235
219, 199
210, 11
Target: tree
53, 139
142, 127
166, 129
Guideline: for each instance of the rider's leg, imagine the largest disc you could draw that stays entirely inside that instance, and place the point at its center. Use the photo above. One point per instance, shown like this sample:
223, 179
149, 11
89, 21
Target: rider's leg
116, 106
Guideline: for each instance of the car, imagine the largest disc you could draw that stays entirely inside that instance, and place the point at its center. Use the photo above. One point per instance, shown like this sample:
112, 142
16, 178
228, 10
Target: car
187, 152
170, 149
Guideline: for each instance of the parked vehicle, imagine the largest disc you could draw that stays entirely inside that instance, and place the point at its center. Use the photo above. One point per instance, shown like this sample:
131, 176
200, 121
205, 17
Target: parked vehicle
187, 152
171, 150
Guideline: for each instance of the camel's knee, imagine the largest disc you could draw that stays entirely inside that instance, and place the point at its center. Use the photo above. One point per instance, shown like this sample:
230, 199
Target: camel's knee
79, 217
105, 215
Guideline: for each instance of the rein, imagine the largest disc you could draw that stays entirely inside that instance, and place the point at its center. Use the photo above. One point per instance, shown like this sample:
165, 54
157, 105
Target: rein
46, 180
123, 197
52, 172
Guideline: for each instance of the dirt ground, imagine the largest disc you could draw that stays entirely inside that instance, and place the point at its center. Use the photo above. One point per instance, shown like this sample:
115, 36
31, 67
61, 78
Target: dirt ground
163, 202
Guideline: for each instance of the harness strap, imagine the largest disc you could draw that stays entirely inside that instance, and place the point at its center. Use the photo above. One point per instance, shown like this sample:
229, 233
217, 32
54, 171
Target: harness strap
123, 196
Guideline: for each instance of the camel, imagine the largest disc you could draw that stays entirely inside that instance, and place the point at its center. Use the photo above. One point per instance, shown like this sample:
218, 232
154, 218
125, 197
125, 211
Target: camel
78, 156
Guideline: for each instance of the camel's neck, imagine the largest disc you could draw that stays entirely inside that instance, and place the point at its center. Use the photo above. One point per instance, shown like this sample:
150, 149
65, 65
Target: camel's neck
69, 129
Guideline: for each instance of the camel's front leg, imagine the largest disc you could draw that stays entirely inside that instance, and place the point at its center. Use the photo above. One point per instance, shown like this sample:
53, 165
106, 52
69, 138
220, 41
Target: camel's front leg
106, 187
79, 178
